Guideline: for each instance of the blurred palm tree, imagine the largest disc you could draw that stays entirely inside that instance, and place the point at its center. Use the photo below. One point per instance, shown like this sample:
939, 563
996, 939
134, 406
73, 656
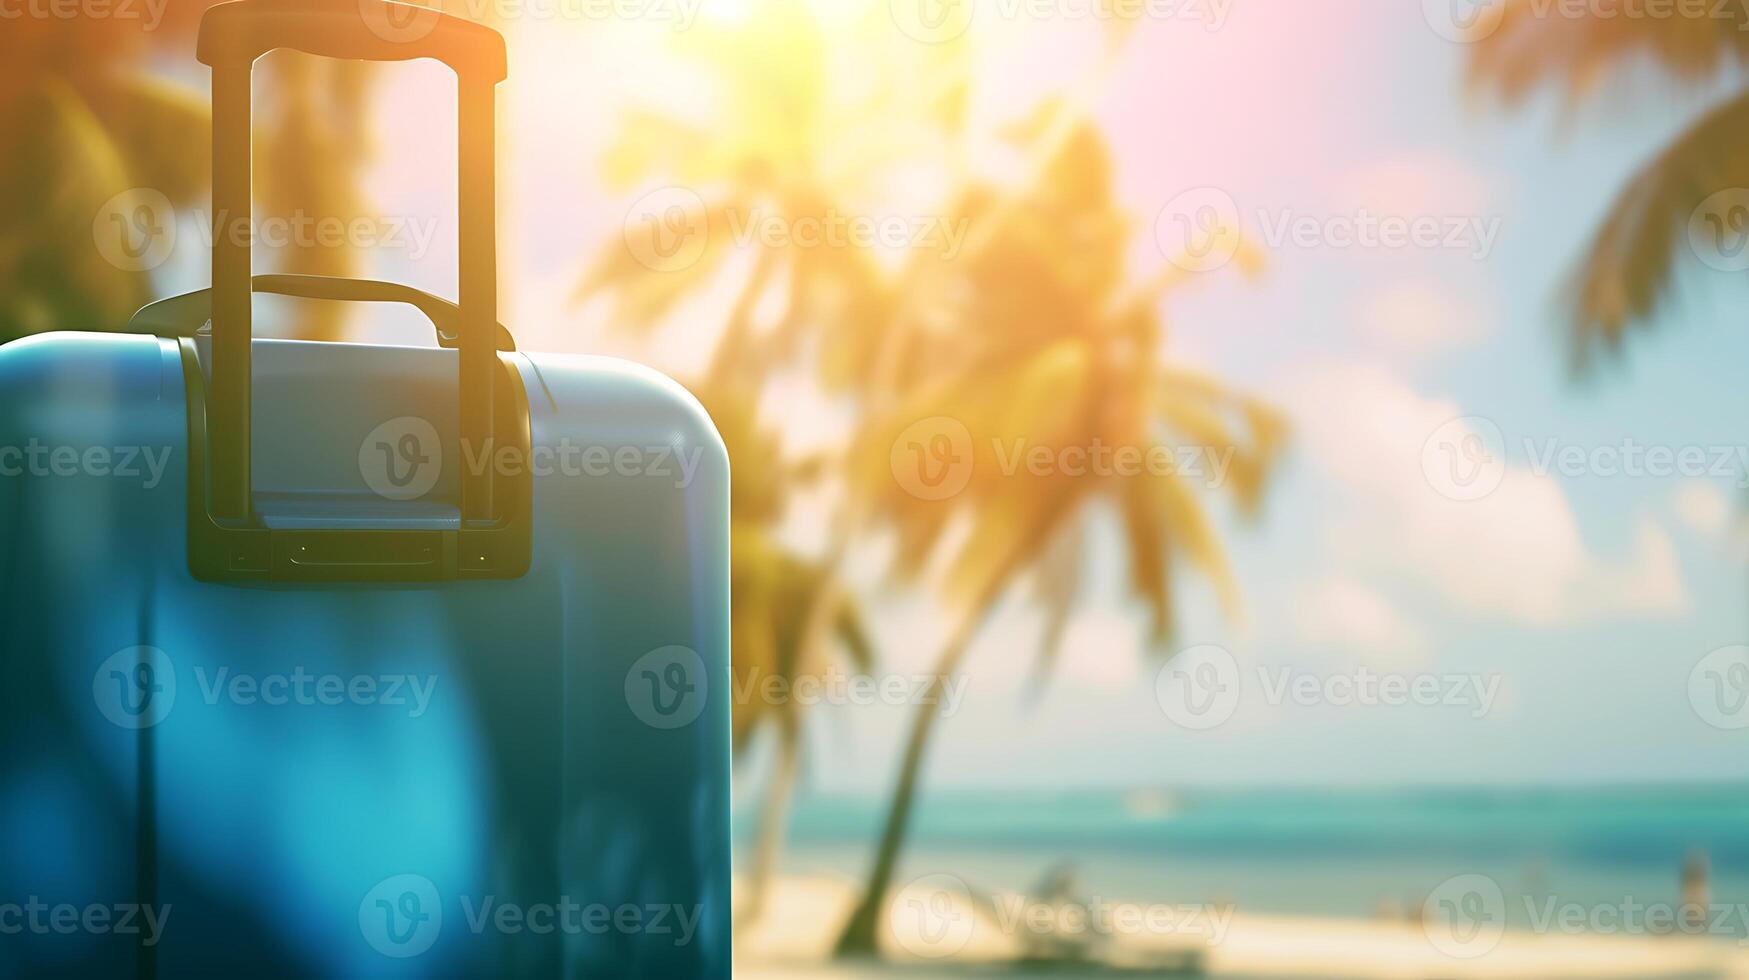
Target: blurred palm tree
782, 143
1626, 273
771, 588
88, 120
1026, 331
1052, 351
312, 148
83, 122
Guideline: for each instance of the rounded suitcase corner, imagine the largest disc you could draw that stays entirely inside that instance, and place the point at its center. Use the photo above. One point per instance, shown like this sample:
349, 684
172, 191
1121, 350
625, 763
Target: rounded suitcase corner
645, 406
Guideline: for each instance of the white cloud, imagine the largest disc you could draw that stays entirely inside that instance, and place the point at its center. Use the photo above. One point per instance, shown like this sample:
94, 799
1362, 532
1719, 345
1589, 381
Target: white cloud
1344, 613
1516, 553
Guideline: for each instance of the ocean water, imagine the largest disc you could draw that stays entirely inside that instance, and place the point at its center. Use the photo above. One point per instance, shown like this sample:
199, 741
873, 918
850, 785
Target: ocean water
1347, 853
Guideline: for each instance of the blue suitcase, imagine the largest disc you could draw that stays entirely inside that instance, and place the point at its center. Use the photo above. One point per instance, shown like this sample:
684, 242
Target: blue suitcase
346, 660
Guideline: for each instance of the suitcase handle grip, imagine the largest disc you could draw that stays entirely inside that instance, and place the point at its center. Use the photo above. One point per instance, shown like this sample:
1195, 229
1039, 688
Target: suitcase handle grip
232, 36
358, 30
185, 315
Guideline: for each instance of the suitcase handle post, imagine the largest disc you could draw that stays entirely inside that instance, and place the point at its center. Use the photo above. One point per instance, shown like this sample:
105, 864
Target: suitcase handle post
233, 36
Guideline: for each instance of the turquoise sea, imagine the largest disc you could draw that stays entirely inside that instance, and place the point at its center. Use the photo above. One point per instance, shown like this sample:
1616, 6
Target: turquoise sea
1347, 853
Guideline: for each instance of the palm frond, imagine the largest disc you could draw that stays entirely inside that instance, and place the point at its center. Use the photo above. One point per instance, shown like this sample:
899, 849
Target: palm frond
1626, 274
1535, 45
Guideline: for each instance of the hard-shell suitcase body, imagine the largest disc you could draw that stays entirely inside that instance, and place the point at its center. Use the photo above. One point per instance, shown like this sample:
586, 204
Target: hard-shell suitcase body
446, 697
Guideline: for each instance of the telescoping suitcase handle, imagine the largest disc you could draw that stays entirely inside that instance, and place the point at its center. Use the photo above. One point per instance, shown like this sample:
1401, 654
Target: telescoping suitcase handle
233, 36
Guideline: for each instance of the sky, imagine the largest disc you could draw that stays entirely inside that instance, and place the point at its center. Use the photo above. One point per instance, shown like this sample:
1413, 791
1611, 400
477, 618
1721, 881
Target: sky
1585, 602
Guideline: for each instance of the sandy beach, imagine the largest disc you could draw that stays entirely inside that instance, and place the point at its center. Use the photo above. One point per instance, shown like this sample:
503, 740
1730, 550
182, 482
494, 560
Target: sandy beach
793, 940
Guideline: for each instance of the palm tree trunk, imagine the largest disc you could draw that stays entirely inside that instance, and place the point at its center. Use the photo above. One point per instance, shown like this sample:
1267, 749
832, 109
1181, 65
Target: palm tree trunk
862, 931
773, 823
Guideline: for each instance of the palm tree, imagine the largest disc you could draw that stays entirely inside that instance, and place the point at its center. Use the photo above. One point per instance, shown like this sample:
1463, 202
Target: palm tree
771, 587
87, 121
83, 123
311, 149
777, 144
1626, 273
1052, 350
1034, 298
